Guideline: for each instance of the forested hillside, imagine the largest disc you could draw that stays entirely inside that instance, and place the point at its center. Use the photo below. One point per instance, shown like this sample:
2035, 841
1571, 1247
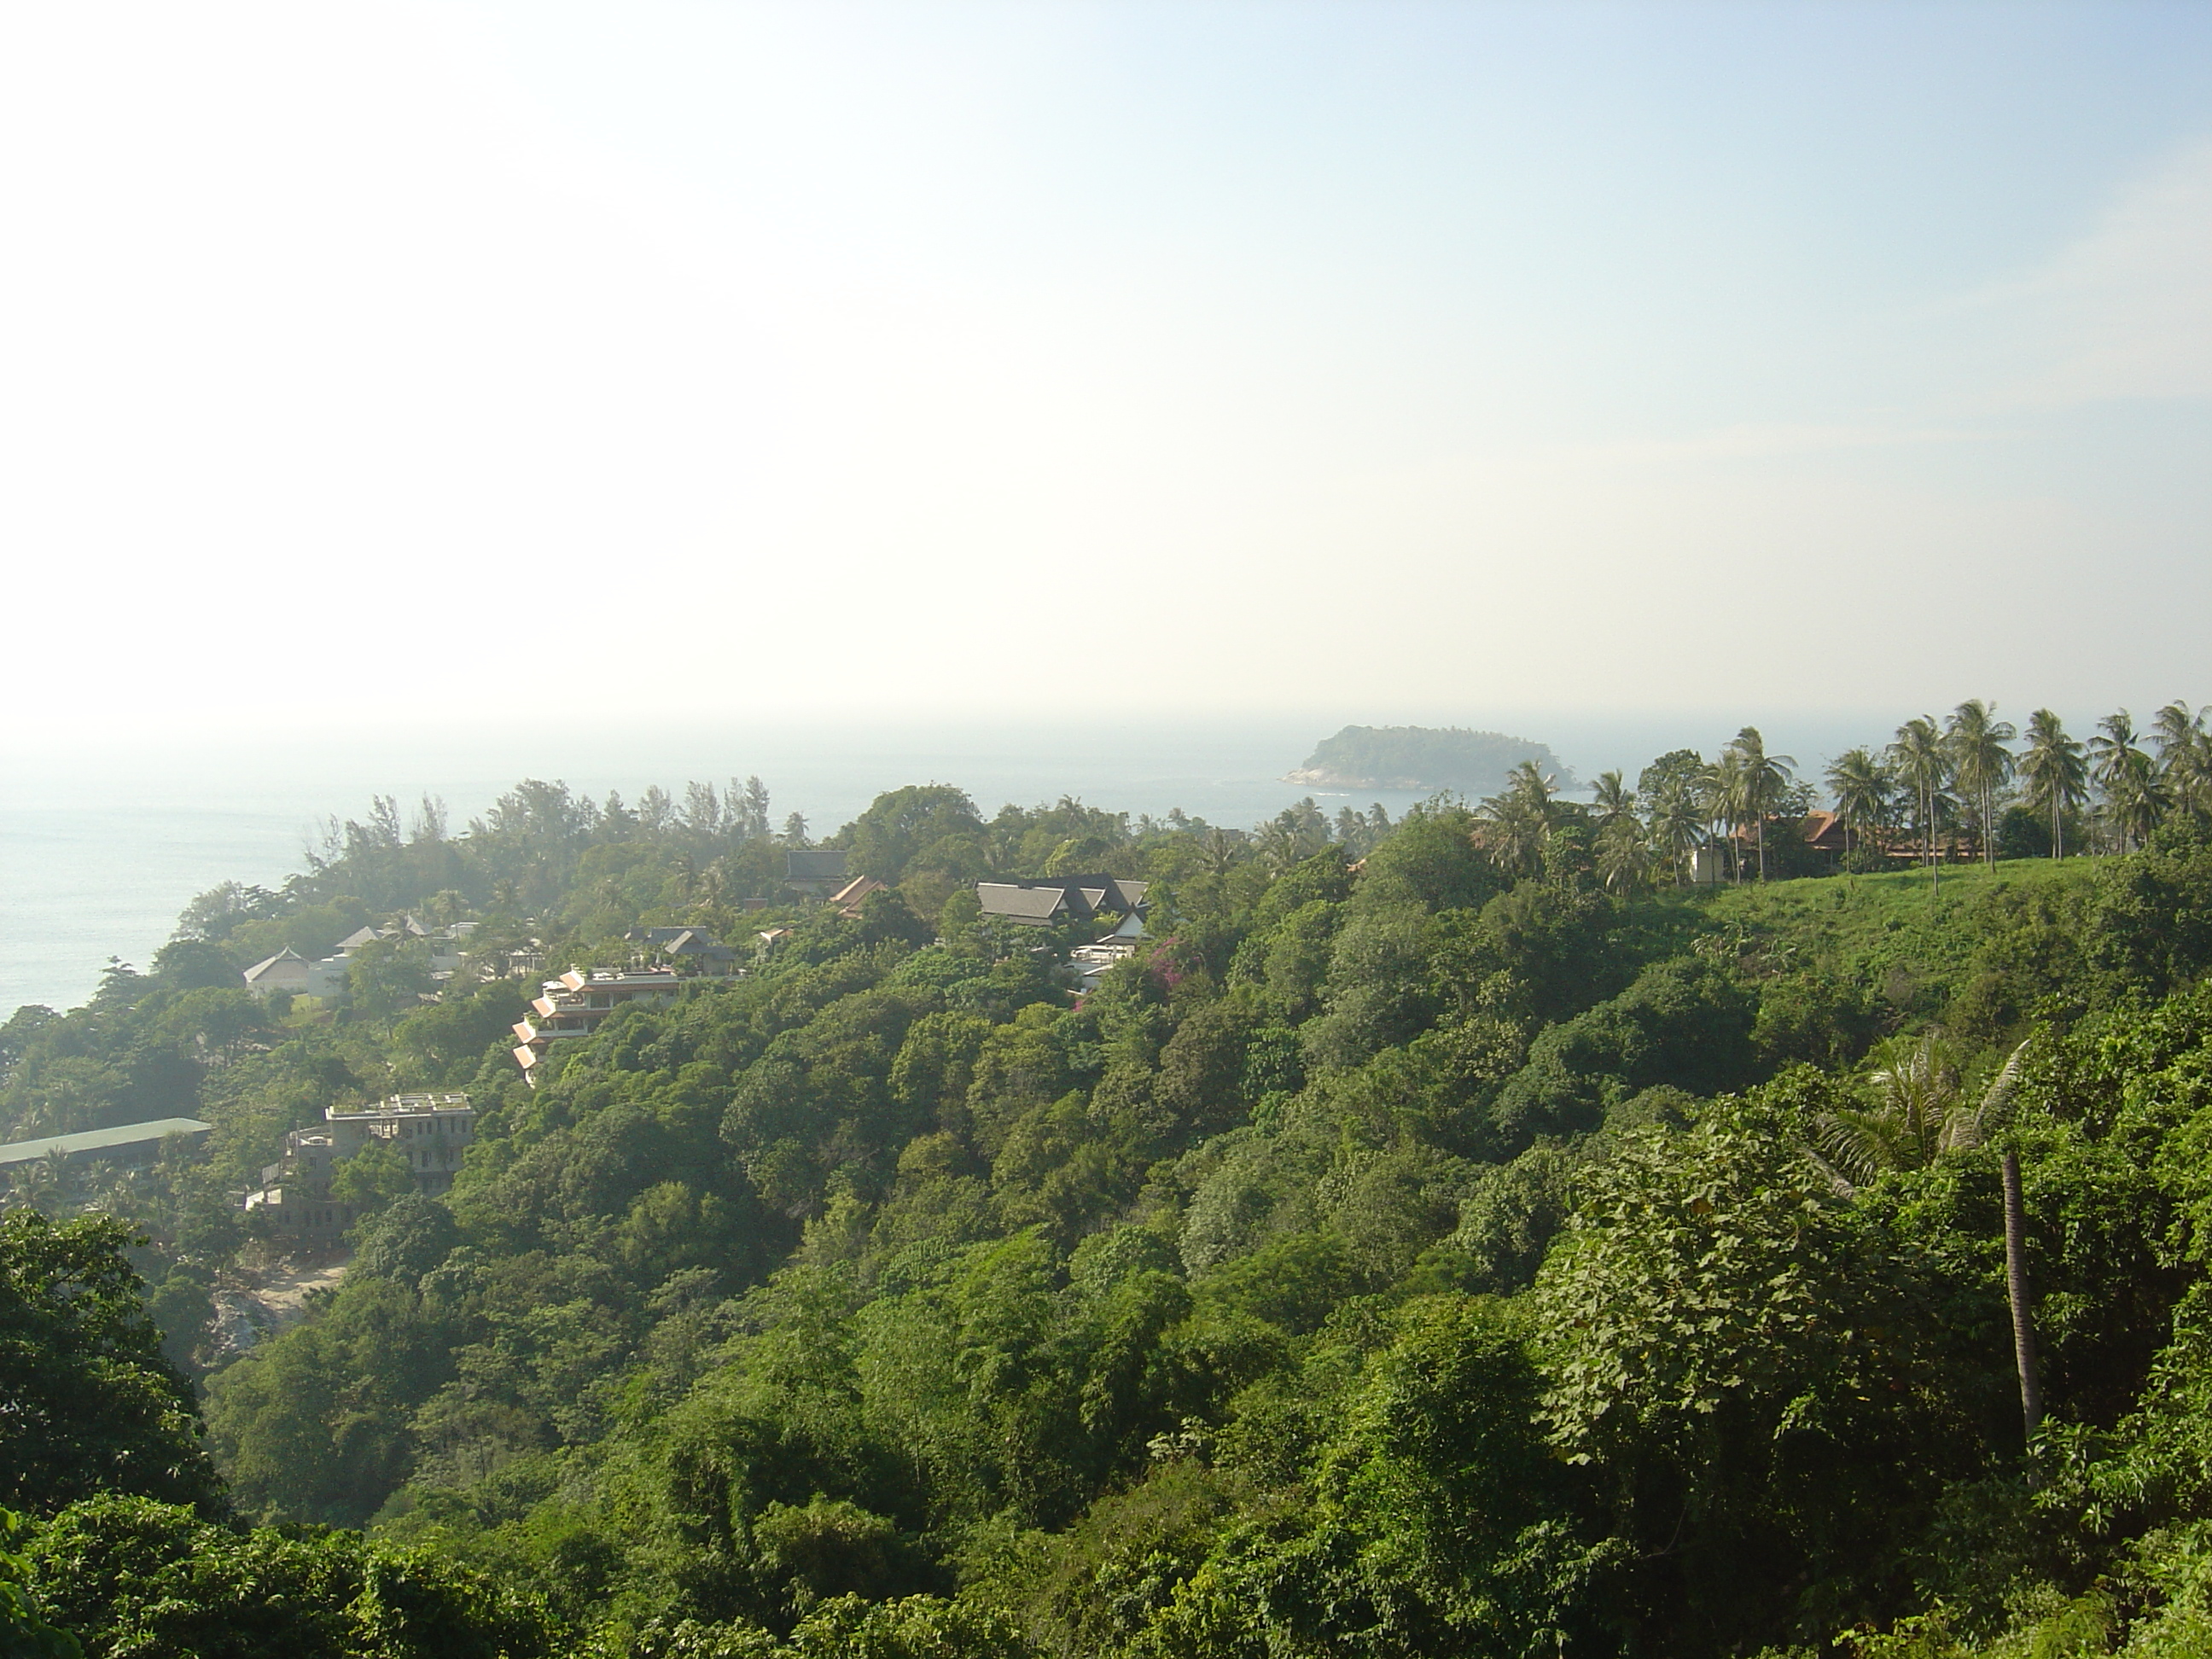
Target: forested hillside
1421, 757
1447, 1236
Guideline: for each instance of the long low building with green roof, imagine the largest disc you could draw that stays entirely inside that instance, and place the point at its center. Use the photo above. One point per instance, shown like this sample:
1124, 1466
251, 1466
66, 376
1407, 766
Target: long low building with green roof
125, 1138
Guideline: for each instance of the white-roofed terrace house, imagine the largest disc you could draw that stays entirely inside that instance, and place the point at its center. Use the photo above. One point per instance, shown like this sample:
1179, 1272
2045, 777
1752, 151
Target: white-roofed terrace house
290, 972
576, 1004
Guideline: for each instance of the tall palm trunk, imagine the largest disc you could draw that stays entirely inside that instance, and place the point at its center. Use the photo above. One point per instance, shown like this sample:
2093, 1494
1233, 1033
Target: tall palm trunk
2023, 1328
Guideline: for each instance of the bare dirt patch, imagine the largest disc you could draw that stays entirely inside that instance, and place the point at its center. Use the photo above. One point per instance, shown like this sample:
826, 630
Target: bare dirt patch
253, 1304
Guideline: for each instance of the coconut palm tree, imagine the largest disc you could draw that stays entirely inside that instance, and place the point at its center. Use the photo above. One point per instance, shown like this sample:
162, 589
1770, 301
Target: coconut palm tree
1624, 854
1861, 785
1677, 825
1980, 761
1519, 819
1764, 779
2137, 798
1292, 835
1921, 762
2184, 756
2128, 776
1612, 799
1727, 802
1224, 849
1917, 1109
2057, 776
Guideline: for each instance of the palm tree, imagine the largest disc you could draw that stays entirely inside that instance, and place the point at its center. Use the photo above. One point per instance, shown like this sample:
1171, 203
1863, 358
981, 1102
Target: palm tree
1861, 785
1726, 802
1917, 1111
1612, 799
2057, 776
1980, 761
1292, 835
1624, 856
1919, 757
1520, 818
1225, 850
1764, 779
1677, 825
2138, 801
2184, 756
1350, 831
2128, 776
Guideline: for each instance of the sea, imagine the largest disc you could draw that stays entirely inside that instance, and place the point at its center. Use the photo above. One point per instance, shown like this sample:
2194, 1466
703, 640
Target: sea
104, 840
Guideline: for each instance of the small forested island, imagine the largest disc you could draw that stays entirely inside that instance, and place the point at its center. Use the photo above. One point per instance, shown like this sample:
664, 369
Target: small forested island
1448, 758
1702, 1221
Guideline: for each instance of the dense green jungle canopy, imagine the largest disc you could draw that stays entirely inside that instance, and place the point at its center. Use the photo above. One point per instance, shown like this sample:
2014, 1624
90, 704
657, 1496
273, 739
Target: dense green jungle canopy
1440, 1237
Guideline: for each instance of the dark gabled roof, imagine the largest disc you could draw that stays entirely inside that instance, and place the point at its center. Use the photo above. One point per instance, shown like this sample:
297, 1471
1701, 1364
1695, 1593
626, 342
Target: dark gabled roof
689, 942
681, 941
814, 864
1020, 903
1823, 829
1074, 898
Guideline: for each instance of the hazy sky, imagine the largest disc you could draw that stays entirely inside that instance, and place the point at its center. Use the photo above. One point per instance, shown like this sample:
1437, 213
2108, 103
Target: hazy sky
1398, 361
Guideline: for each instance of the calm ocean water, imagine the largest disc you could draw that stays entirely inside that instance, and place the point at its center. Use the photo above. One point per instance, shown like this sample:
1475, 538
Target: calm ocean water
102, 846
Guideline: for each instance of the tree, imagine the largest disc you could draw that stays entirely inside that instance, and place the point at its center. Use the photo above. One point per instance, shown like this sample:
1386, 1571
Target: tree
2184, 756
2128, 778
1704, 1327
89, 1403
1721, 792
389, 977
1677, 822
372, 1177
1861, 785
1980, 761
1292, 835
1518, 819
1757, 784
1225, 850
747, 809
2056, 773
902, 824
141, 1577
1918, 1110
1612, 799
1624, 855
24, 1632
1922, 760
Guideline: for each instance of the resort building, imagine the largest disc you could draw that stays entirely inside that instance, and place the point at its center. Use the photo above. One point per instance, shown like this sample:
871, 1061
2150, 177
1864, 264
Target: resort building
1049, 901
573, 1005
431, 1132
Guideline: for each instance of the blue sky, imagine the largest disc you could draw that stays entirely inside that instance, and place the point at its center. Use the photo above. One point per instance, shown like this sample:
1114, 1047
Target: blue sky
1391, 362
